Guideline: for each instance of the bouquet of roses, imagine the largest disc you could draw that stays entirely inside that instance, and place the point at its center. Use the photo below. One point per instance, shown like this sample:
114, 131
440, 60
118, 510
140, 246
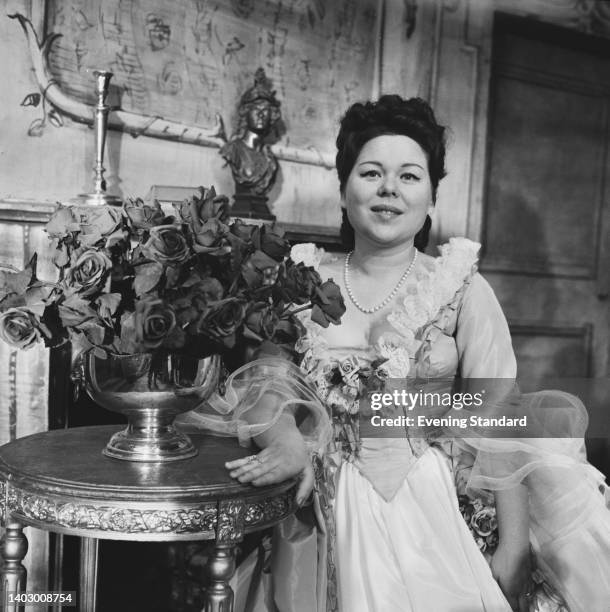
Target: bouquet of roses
195, 282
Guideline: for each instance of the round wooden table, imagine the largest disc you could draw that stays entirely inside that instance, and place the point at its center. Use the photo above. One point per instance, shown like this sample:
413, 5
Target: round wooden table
60, 481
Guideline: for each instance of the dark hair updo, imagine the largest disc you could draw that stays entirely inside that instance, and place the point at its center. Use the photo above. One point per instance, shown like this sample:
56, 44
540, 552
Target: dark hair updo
390, 115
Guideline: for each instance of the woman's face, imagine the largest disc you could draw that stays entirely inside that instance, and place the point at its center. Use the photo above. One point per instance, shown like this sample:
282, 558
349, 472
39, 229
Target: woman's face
388, 192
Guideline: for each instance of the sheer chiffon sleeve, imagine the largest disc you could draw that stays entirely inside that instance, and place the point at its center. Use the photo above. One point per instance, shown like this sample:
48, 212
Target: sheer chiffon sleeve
556, 421
568, 515
255, 397
482, 337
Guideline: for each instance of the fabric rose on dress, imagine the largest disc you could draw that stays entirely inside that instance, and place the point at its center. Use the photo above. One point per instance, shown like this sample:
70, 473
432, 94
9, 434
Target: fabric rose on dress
393, 349
340, 403
350, 370
166, 245
21, 328
484, 521
308, 254
328, 304
143, 215
89, 271
154, 321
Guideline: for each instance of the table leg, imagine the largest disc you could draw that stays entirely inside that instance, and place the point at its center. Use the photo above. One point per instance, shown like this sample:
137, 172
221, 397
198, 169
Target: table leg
221, 567
13, 577
89, 552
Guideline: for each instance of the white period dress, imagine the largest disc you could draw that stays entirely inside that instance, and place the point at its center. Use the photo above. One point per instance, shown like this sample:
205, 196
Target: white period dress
385, 532
401, 543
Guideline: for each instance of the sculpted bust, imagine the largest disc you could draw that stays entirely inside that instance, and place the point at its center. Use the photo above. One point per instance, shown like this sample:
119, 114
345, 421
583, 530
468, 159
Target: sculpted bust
252, 163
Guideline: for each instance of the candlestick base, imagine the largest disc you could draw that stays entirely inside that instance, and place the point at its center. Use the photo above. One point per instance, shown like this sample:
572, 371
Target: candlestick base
97, 199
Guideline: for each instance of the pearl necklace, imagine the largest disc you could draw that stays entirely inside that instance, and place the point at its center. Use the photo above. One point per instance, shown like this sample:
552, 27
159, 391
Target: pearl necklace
385, 302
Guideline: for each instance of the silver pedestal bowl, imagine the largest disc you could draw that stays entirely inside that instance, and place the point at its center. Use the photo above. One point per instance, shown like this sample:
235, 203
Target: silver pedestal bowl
150, 390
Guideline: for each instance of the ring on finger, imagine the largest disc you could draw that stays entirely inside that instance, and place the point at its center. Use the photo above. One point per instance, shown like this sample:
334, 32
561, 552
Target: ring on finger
255, 459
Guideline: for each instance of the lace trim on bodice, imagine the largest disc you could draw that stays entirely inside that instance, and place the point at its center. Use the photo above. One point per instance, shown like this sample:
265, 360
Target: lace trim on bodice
424, 310
421, 312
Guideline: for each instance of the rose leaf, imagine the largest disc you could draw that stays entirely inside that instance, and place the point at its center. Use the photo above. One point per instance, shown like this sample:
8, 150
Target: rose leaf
108, 303
147, 278
94, 333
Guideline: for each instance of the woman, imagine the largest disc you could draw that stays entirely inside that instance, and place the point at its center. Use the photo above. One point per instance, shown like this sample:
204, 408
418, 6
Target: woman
393, 536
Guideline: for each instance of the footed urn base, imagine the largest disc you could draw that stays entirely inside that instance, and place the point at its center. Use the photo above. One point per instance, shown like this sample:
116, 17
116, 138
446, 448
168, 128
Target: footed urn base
133, 444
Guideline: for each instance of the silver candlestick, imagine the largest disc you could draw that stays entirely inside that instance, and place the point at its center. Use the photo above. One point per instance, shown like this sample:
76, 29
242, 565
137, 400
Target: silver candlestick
100, 124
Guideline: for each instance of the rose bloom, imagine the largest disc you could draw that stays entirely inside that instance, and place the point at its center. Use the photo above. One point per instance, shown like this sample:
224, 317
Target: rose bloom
206, 206
189, 307
209, 236
98, 219
259, 270
242, 230
89, 271
349, 369
300, 283
20, 328
328, 304
222, 321
263, 321
143, 215
273, 245
206, 290
62, 221
484, 521
166, 245
154, 320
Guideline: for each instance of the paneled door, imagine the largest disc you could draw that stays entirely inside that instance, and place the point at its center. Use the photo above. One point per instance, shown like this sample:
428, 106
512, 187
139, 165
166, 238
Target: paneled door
547, 208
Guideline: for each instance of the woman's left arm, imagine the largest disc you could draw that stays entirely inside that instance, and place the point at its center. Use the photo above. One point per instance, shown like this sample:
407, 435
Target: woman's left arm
485, 350
511, 565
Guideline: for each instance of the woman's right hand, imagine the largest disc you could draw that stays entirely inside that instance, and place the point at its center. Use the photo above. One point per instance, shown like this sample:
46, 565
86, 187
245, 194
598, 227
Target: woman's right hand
285, 456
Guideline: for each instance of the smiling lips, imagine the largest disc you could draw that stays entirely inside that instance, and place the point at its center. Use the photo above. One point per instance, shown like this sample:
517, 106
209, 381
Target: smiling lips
387, 209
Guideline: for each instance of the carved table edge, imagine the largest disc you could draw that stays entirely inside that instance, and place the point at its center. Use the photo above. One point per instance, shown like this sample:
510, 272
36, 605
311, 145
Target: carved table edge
226, 520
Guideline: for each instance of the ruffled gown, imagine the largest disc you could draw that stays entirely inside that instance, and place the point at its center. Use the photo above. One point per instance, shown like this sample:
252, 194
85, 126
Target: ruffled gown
402, 543
386, 532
